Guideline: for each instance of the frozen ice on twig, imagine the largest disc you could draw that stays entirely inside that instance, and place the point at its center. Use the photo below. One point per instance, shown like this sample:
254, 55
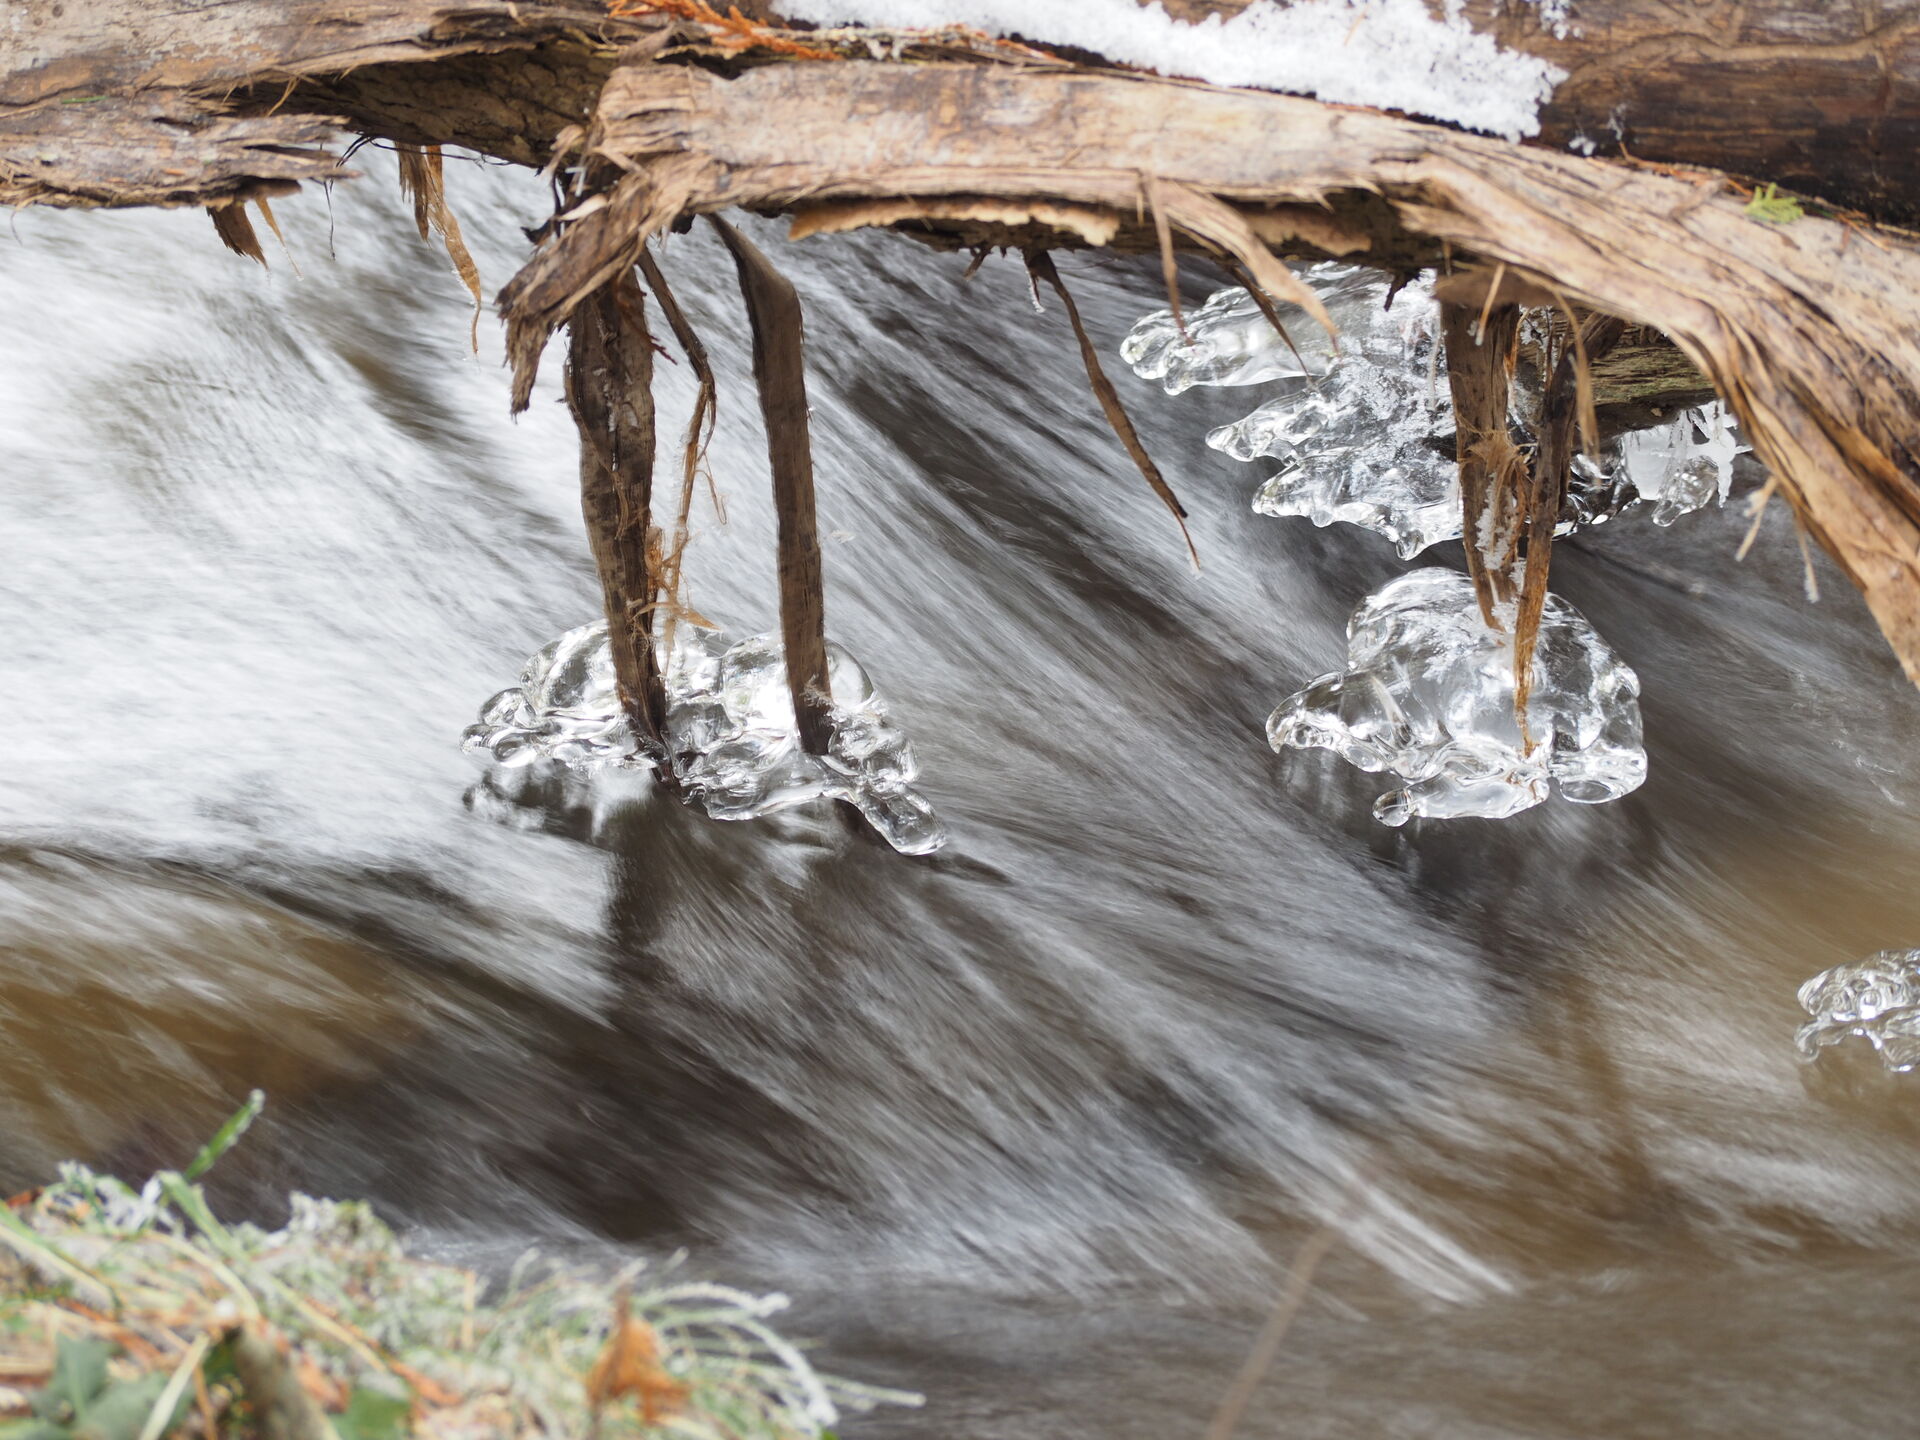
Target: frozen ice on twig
1877, 998
732, 744
1428, 695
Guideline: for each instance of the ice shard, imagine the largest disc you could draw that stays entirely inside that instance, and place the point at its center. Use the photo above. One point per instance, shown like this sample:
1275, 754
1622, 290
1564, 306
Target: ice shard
733, 749
1427, 695
1877, 998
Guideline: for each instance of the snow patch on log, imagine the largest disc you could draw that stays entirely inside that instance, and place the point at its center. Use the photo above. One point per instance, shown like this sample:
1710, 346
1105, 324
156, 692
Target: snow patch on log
1388, 54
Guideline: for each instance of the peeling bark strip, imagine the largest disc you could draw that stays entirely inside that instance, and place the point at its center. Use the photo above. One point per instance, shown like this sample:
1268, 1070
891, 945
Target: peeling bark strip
1565, 406
1042, 266
1479, 349
610, 390
1808, 337
779, 369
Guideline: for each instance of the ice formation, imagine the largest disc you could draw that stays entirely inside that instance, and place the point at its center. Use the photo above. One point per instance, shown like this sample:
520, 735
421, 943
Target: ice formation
1683, 466
732, 745
1388, 54
1364, 439
1428, 695
1358, 437
1877, 998
1229, 341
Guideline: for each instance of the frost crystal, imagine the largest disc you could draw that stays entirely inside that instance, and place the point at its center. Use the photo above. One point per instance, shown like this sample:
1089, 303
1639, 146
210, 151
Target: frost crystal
733, 747
1428, 695
1877, 998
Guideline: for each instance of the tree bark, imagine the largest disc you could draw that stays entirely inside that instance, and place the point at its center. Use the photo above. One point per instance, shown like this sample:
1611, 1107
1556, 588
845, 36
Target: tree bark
610, 390
780, 372
1820, 96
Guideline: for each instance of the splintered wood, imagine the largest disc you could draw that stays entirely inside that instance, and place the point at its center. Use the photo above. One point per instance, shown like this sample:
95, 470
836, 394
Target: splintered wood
779, 369
610, 390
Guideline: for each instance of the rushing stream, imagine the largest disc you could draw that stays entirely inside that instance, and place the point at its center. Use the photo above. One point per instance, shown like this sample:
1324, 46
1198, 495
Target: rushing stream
1034, 1125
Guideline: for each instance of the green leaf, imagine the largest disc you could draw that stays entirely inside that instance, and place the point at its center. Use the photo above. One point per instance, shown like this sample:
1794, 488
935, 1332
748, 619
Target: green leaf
1776, 209
121, 1413
374, 1415
79, 1374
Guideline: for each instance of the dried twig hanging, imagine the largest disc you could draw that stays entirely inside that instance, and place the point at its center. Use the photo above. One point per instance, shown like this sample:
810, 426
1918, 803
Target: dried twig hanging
1566, 406
779, 369
699, 434
1492, 472
1040, 266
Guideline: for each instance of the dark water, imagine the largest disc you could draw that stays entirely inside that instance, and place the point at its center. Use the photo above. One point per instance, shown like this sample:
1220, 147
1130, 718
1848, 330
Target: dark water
1034, 1126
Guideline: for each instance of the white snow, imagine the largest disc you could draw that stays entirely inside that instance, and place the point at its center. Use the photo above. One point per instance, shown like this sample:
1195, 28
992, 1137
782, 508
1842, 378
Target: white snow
1388, 54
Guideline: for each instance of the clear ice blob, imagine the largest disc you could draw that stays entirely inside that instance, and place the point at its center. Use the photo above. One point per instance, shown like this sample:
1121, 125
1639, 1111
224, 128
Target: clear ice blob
1877, 998
732, 746
1229, 341
1427, 695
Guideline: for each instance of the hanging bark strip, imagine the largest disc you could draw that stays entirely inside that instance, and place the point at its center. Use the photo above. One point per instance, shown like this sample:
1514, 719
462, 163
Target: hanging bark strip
423, 181
610, 390
1566, 408
1041, 266
1479, 356
779, 369
235, 228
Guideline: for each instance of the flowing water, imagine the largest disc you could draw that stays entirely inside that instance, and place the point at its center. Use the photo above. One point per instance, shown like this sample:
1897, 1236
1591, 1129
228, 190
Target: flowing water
1037, 1124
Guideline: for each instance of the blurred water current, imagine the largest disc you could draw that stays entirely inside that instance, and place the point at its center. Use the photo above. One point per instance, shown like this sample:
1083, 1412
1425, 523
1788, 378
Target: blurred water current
1033, 1125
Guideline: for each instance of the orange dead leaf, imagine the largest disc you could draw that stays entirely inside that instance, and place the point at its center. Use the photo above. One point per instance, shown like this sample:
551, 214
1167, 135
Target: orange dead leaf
630, 1365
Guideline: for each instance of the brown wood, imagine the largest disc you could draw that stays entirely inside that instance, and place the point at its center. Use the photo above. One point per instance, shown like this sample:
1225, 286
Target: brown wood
1567, 410
1822, 96
1805, 329
610, 390
779, 369
1480, 348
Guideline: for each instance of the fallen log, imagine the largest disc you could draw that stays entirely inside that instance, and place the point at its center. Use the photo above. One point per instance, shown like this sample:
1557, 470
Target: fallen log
966, 141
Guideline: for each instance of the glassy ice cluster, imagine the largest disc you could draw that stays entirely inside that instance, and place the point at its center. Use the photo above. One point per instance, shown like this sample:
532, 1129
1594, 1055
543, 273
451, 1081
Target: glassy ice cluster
1229, 341
1428, 695
1877, 998
732, 744
1365, 436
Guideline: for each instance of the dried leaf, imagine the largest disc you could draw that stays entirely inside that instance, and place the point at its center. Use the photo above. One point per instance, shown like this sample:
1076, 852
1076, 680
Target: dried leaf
630, 1367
